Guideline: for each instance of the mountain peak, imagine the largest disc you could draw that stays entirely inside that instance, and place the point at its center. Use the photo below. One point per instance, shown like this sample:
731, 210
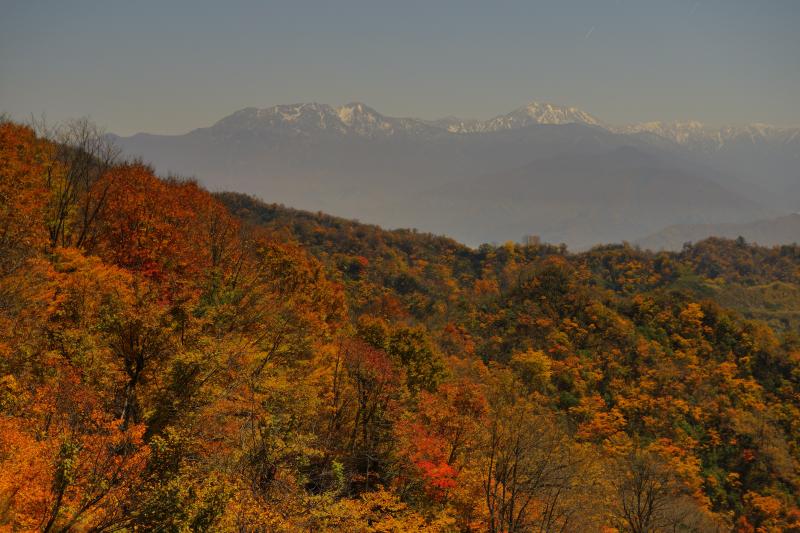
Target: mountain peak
531, 114
356, 114
354, 118
701, 136
547, 113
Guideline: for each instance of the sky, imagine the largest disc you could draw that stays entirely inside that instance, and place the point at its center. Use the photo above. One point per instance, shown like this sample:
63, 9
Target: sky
171, 66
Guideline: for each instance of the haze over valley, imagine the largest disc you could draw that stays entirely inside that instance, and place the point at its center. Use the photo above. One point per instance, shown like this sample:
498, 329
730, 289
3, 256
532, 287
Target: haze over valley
556, 172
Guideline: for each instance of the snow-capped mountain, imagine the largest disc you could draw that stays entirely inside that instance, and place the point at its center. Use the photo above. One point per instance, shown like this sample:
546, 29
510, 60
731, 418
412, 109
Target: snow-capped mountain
362, 120
533, 113
698, 136
307, 118
359, 119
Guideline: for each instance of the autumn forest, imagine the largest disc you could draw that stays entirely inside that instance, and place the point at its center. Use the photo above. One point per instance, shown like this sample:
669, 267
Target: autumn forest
176, 360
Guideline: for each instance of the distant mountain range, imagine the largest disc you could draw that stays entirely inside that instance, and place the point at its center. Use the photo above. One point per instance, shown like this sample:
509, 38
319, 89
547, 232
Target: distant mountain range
531, 114
771, 232
557, 172
761, 160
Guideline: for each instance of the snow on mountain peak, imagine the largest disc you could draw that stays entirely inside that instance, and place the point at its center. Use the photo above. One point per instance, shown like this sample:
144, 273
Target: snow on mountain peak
358, 119
354, 119
701, 136
364, 120
679, 132
528, 115
544, 113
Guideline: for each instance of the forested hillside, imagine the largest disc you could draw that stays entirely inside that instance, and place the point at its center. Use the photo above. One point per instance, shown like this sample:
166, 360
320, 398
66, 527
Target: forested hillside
173, 360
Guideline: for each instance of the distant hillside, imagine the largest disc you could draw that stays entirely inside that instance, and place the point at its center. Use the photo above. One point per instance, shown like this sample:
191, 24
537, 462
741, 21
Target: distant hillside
771, 232
580, 200
761, 159
759, 282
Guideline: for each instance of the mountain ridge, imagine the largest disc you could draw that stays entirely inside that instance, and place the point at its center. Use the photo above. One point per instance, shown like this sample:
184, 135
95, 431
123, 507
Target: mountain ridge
355, 113
766, 232
353, 161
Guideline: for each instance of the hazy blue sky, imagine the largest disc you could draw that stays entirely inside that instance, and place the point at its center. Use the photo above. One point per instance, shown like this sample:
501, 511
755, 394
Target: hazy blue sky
170, 66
